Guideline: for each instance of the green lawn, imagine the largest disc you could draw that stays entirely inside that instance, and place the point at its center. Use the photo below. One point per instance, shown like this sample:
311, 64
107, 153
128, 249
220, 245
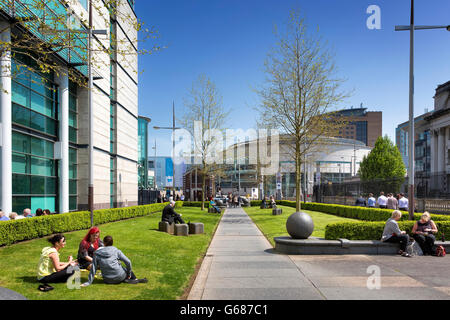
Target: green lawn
275, 226
167, 261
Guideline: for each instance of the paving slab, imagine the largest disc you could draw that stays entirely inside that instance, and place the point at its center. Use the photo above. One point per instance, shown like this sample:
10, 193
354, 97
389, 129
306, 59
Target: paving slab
262, 294
241, 264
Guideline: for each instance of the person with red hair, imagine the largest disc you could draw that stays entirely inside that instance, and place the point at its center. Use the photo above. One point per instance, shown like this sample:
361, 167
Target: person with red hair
90, 243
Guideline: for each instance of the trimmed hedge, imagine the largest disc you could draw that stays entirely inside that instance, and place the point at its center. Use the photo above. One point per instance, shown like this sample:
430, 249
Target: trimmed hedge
359, 213
374, 230
197, 204
31, 228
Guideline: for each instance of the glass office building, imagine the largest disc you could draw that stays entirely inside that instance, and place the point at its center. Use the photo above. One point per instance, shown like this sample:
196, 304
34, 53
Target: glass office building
44, 115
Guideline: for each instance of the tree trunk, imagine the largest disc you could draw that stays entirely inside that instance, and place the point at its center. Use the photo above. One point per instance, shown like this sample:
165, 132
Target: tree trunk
203, 190
298, 177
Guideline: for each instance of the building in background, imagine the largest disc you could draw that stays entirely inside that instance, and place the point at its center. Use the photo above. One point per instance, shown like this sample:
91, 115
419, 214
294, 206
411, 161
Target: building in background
335, 160
143, 170
422, 143
365, 126
45, 137
163, 172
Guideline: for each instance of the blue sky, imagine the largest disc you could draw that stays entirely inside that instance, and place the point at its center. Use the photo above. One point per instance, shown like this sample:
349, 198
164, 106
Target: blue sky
228, 40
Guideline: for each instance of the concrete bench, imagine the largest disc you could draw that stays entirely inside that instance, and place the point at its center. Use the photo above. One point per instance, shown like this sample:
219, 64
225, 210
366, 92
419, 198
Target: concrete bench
164, 226
196, 228
314, 246
212, 210
277, 211
181, 229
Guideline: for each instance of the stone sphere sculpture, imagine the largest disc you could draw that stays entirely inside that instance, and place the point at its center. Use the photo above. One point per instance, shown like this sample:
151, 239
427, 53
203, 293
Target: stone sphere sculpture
300, 225
219, 203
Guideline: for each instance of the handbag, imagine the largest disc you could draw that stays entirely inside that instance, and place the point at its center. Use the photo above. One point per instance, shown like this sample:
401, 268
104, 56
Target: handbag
414, 249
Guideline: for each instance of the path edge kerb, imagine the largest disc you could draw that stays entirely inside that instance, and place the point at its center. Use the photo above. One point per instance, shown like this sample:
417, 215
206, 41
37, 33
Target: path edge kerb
198, 267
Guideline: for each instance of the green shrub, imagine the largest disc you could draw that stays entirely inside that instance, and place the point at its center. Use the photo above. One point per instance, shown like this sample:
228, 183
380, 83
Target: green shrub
197, 204
359, 213
374, 230
31, 228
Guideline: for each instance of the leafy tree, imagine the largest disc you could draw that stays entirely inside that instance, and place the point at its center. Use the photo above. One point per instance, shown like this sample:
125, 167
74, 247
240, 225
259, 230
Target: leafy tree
383, 169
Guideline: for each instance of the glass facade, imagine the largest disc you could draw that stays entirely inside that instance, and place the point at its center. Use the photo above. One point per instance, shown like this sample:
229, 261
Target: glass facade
34, 117
142, 153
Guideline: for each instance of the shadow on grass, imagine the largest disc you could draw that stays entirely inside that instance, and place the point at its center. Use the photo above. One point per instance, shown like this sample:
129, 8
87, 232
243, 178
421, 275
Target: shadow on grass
29, 279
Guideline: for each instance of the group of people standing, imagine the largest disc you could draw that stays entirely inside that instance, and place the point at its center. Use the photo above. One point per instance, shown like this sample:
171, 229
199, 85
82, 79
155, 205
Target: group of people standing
93, 254
398, 202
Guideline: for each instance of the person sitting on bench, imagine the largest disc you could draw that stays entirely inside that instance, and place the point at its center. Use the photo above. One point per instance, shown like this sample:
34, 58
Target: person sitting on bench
212, 203
108, 260
170, 215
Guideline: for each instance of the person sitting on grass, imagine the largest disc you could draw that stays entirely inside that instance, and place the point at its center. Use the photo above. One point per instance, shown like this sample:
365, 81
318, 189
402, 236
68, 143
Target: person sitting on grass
90, 243
108, 260
212, 203
50, 268
423, 231
273, 204
393, 234
170, 215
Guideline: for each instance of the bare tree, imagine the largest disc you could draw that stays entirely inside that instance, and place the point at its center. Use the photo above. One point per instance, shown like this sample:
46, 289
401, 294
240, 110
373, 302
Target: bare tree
300, 91
205, 118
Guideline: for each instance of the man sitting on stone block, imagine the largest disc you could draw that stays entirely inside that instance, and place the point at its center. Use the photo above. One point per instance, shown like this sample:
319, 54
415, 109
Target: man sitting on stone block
170, 215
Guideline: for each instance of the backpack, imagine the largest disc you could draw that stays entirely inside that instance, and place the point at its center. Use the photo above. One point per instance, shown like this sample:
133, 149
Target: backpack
440, 251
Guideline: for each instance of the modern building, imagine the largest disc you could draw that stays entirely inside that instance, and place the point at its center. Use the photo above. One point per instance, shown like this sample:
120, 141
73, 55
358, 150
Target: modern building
163, 172
422, 143
365, 126
143, 178
45, 116
335, 160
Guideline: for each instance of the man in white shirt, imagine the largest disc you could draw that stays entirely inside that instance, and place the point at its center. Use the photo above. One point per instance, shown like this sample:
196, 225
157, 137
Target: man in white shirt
382, 201
403, 202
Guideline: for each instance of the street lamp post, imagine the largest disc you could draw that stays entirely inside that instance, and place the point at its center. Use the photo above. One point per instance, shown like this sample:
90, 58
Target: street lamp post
411, 150
173, 128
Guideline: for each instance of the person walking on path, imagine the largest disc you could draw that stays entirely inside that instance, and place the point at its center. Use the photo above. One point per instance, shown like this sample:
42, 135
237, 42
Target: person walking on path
361, 202
371, 202
403, 203
392, 202
382, 201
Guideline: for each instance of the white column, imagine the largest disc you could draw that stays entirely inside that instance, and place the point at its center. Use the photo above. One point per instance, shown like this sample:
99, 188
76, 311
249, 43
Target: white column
434, 153
6, 133
63, 83
440, 151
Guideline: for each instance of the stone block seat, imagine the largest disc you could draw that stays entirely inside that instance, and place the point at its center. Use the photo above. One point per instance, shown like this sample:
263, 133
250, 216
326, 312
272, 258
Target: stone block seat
277, 211
181, 229
164, 226
196, 228
315, 246
212, 210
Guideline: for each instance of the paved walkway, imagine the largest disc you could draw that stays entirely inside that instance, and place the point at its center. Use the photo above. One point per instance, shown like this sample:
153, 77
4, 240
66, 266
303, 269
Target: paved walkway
241, 265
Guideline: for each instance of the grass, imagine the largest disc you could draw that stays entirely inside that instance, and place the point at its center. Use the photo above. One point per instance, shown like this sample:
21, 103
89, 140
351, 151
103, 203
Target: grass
167, 261
275, 226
